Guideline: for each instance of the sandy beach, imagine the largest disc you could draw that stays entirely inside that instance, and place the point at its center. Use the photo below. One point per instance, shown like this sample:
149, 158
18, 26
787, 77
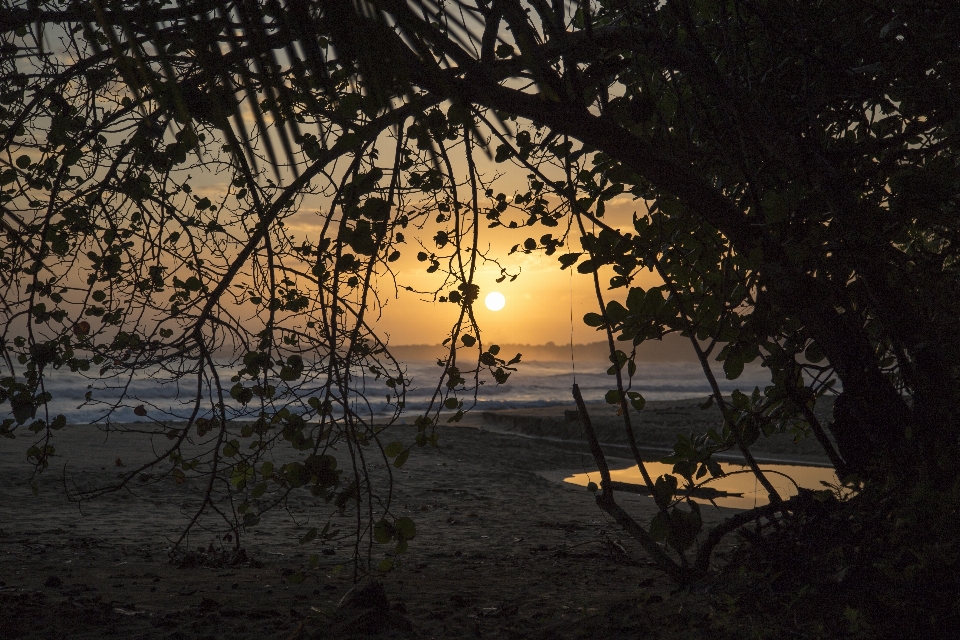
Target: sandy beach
504, 548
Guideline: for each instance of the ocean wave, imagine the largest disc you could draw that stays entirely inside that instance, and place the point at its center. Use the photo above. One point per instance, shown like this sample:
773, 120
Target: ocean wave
534, 384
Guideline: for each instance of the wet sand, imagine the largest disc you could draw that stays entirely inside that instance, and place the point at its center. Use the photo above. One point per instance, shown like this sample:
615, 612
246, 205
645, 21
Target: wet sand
500, 551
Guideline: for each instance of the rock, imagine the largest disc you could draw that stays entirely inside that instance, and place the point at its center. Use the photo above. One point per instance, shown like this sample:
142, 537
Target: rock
53, 582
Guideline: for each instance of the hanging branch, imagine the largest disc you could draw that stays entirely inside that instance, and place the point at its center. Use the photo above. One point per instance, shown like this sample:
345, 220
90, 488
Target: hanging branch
624, 407
708, 372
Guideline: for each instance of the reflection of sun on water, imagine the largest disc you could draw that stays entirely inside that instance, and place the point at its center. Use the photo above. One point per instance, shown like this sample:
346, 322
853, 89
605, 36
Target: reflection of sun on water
495, 301
753, 495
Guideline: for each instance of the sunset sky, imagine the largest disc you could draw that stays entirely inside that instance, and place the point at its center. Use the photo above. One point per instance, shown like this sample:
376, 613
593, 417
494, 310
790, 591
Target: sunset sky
538, 302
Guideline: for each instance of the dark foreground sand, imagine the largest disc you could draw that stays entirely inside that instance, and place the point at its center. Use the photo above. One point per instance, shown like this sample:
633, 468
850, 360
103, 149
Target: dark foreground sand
501, 552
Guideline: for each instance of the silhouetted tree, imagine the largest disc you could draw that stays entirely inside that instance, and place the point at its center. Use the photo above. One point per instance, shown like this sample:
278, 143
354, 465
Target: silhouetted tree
794, 166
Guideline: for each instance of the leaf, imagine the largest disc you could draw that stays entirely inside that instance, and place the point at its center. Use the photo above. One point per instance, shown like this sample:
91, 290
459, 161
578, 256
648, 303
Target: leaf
401, 458
665, 488
568, 260
587, 266
685, 468
468, 340
733, 366
288, 374
814, 353
659, 527
612, 396
616, 312
393, 449
635, 299
376, 209
504, 152
309, 536
740, 401
691, 523
593, 320
406, 528
750, 432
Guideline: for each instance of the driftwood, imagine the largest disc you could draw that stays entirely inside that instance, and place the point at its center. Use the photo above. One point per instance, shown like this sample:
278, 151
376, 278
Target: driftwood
707, 493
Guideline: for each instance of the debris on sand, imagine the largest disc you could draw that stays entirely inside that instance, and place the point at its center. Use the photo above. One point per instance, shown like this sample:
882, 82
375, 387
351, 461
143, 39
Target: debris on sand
212, 558
364, 612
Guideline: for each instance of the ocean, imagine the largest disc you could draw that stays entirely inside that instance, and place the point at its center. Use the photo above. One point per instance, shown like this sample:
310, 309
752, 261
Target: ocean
534, 384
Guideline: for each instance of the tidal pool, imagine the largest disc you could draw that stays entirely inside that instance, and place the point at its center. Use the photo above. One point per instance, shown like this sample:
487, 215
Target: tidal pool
739, 480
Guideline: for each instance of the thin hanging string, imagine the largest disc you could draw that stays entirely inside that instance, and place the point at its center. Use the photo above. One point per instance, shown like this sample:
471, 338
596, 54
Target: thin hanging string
573, 363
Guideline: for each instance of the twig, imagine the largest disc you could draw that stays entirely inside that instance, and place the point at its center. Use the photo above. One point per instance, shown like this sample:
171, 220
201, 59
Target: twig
606, 502
737, 521
838, 463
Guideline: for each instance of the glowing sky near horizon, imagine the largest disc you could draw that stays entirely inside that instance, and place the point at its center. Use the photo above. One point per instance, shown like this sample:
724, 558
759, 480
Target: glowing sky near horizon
545, 303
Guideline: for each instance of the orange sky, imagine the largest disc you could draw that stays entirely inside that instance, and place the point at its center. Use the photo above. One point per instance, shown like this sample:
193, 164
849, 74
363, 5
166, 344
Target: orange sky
538, 303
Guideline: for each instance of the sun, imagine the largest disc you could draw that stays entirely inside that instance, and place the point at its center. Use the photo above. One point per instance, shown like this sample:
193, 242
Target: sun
495, 301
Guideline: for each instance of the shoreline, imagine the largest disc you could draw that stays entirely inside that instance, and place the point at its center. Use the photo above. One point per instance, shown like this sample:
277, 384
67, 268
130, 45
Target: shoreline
655, 428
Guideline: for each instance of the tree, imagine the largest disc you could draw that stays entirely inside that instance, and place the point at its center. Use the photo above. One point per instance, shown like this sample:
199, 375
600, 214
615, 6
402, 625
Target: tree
794, 166
121, 264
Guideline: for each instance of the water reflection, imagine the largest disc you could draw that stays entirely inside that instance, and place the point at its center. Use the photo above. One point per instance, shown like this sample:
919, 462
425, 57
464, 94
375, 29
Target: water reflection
736, 482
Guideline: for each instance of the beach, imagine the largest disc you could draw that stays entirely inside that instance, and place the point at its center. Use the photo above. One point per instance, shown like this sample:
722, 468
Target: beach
504, 548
